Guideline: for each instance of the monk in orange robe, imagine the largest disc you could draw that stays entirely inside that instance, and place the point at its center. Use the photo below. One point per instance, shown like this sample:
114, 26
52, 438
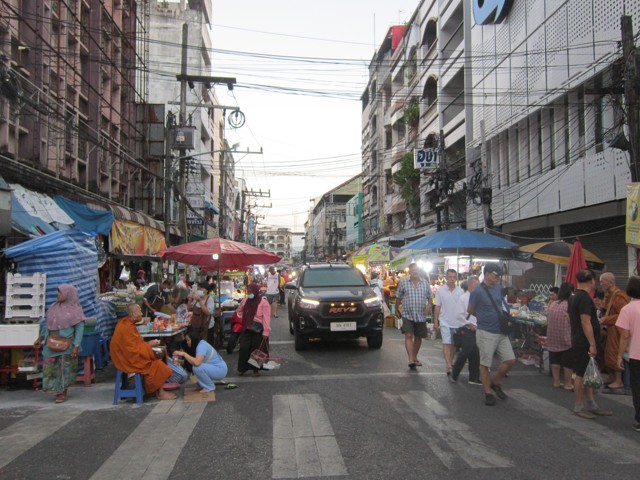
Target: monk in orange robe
131, 354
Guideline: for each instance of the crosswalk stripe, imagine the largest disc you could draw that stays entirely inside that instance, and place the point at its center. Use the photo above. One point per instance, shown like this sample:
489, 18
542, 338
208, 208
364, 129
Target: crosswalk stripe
149, 452
304, 444
599, 438
28, 432
462, 443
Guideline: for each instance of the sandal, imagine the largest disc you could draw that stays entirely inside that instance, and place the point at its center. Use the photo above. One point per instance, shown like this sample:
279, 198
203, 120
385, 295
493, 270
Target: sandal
230, 386
417, 363
412, 366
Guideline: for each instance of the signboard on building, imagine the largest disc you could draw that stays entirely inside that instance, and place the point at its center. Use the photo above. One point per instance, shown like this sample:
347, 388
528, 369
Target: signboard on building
632, 231
487, 12
426, 158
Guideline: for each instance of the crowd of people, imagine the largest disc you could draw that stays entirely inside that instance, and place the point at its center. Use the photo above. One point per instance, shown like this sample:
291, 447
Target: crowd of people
582, 325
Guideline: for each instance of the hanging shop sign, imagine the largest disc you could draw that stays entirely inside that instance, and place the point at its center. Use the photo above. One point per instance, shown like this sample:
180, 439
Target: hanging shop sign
632, 230
426, 158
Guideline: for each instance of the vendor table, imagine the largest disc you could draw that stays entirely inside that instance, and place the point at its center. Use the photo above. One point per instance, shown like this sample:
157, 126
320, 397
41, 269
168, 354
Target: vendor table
4, 368
164, 333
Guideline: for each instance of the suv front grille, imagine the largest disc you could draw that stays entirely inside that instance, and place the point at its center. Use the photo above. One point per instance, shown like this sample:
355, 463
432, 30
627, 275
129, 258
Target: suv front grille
342, 309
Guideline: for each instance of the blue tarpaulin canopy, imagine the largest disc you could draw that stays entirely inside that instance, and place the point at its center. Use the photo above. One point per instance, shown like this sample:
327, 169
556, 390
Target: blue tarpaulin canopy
211, 206
459, 238
86, 219
66, 256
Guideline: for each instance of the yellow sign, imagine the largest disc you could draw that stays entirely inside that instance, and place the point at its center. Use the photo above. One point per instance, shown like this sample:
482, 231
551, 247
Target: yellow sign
632, 232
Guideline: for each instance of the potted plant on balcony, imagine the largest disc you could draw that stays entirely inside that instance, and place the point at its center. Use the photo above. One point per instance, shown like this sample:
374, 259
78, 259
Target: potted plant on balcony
411, 114
408, 180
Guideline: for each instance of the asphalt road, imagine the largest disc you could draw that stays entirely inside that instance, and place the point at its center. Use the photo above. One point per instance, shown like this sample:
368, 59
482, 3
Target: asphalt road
338, 410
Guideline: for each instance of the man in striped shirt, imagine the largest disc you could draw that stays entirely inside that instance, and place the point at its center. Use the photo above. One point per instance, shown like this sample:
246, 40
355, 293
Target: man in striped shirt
414, 295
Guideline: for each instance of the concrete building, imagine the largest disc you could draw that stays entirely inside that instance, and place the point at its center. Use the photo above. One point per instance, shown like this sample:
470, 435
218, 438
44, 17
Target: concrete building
415, 99
68, 104
276, 240
547, 87
205, 170
325, 230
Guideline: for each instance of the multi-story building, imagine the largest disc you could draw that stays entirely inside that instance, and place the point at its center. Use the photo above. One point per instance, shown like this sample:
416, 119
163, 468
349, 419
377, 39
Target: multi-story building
276, 240
549, 116
325, 230
414, 99
68, 107
204, 170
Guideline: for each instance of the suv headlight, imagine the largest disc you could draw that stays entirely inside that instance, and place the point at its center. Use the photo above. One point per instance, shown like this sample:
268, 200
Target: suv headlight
308, 303
372, 302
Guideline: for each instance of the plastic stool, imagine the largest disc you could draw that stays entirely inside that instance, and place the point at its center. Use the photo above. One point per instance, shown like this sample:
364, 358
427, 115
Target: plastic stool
124, 390
88, 375
102, 353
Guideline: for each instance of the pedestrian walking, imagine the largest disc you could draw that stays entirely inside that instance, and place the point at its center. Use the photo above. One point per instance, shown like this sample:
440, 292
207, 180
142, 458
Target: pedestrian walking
466, 338
585, 341
486, 303
629, 324
448, 315
272, 282
559, 337
414, 296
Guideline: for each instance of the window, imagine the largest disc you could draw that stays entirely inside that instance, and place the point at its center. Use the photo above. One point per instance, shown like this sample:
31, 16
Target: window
430, 93
430, 36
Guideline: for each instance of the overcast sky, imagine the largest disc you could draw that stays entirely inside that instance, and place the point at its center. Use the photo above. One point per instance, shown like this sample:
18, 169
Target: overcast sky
301, 68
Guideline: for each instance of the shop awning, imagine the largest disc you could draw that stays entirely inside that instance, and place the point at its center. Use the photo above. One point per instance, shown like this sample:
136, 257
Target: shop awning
122, 213
85, 218
211, 206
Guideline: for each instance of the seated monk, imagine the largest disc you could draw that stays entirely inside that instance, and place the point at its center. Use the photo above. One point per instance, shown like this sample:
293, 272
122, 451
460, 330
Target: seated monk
131, 354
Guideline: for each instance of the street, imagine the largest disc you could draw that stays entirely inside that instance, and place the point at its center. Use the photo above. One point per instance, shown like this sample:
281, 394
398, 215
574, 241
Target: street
338, 410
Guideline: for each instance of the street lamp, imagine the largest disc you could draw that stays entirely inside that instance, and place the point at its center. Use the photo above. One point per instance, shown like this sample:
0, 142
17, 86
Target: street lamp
218, 313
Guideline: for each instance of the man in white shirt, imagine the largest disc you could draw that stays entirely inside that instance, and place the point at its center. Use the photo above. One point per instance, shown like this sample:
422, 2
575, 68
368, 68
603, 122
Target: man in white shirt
448, 315
467, 338
273, 280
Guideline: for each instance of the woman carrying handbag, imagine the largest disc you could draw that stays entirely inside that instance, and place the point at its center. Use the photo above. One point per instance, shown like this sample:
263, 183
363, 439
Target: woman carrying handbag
255, 313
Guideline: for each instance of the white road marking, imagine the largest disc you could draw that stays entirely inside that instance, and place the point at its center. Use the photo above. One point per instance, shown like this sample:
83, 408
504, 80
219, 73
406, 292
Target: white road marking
304, 444
28, 432
462, 443
151, 451
593, 435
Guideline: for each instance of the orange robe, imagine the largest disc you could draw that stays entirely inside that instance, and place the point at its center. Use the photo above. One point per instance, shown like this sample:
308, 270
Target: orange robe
130, 354
614, 302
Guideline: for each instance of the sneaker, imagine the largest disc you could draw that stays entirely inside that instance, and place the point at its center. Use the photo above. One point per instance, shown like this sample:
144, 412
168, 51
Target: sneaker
498, 389
452, 379
600, 412
636, 427
474, 382
585, 414
489, 400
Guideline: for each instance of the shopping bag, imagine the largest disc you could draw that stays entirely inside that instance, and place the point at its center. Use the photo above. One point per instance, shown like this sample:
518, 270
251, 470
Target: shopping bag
258, 358
592, 378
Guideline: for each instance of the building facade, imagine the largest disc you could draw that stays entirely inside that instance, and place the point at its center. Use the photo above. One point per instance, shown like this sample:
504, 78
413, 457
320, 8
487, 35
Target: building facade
276, 240
415, 99
548, 118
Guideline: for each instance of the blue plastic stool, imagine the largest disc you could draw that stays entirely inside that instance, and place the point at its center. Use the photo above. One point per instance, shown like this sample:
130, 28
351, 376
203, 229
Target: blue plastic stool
102, 353
124, 390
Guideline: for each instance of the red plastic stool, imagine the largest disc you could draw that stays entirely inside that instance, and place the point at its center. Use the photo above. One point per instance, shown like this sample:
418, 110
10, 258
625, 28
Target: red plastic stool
88, 376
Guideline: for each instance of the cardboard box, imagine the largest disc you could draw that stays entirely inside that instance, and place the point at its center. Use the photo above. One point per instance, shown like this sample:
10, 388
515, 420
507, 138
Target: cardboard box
18, 335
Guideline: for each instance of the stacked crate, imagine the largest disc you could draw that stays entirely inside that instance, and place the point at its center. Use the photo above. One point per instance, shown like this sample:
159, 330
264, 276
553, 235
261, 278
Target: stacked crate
25, 305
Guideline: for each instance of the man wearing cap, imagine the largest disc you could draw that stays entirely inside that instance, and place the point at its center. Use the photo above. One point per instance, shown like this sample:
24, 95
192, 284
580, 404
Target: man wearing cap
485, 303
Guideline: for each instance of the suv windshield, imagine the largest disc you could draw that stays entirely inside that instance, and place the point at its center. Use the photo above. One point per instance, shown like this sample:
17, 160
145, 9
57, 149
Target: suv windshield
333, 277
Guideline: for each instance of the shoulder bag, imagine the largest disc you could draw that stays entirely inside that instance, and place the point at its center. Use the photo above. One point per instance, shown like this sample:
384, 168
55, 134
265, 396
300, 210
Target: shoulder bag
506, 322
58, 343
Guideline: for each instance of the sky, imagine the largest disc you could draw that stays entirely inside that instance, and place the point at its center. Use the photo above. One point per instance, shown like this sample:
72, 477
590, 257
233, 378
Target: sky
301, 68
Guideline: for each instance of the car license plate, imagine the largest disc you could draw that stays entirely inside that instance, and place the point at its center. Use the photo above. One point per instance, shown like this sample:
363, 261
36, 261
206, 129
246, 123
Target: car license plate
343, 326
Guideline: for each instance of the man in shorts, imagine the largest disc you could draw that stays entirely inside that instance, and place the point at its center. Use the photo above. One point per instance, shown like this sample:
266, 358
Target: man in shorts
585, 339
414, 295
272, 284
484, 303
448, 316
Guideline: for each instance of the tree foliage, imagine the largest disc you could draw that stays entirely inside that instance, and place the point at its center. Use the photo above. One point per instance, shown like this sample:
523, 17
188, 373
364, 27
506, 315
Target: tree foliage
408, 179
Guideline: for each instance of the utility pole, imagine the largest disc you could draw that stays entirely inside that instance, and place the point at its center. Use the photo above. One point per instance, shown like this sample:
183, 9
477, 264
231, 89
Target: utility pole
168, 179
182, 121
250, 193
631, 83
486, 186
445, 180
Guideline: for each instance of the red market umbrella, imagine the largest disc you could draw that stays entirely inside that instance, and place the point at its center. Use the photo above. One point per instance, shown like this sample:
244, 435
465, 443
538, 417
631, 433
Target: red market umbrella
230, 254
577, 262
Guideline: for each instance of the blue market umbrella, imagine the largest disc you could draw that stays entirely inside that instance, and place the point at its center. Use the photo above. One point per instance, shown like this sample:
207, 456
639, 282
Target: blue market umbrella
461, 239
